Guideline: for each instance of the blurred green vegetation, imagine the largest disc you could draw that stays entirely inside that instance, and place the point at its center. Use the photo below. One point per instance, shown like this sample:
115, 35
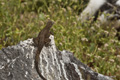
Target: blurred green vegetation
94, 45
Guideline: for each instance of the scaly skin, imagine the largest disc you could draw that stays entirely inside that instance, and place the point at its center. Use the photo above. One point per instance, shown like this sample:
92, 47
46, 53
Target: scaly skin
40, 41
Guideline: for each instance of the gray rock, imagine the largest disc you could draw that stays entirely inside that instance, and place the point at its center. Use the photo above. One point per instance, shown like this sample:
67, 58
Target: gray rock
17, 63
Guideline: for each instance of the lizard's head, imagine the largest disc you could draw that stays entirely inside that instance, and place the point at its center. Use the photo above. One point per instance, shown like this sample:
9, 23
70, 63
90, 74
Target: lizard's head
50, 23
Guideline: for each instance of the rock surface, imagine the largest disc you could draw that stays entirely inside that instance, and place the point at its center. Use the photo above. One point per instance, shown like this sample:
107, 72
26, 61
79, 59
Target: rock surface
17, 63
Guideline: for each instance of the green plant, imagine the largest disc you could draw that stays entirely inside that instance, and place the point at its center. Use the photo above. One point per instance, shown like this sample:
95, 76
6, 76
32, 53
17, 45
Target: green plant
89, 43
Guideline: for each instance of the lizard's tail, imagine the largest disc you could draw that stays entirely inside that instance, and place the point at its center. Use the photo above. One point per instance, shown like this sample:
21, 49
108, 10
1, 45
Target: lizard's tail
37, 68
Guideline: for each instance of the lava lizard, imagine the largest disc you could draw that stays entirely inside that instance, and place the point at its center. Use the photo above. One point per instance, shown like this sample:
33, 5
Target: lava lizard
42, 40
